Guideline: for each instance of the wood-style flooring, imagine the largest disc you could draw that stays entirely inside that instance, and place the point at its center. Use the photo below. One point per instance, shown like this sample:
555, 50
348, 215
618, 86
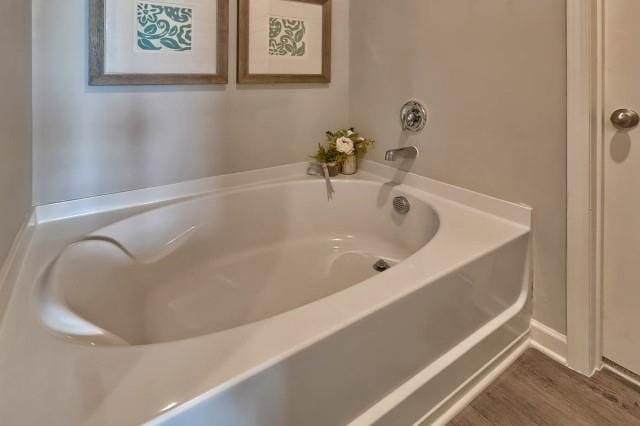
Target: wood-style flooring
538, 391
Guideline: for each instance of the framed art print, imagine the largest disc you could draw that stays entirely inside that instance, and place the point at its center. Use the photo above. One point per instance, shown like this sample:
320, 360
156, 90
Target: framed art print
134, 42
284, 41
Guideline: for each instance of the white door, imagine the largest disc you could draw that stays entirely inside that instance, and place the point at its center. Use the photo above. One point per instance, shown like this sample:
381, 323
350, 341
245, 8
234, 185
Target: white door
622, 185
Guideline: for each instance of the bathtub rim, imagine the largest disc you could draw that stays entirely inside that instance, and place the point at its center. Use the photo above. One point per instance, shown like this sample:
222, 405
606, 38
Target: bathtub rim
514, 212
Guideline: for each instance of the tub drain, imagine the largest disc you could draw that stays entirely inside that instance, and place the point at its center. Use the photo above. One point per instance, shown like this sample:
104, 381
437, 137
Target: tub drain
381, 265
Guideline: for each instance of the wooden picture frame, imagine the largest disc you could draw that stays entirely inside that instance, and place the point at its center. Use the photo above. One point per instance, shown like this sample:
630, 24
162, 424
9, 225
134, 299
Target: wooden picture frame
98, 76
244, 75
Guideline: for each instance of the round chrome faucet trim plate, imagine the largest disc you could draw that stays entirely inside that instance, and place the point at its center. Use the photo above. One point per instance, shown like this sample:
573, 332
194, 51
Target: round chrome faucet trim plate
401, 205
413, 116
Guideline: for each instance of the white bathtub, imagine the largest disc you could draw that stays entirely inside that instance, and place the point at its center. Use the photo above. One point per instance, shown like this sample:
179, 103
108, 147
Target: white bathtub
253, 301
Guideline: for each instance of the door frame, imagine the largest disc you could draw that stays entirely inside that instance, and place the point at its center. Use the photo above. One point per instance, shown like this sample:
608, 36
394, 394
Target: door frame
585, 171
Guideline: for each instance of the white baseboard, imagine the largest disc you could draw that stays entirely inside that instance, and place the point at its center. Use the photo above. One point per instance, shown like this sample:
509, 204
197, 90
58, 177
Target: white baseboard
621, 373
549, 342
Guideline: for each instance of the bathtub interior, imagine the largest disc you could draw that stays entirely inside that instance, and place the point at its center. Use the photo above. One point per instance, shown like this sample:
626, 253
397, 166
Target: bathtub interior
226, 260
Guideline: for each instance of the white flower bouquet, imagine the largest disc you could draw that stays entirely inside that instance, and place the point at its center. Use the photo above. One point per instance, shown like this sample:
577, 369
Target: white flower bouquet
342, 146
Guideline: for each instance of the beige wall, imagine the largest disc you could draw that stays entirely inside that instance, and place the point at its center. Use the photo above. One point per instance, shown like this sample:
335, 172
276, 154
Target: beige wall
492, 74
90, 141
15, 119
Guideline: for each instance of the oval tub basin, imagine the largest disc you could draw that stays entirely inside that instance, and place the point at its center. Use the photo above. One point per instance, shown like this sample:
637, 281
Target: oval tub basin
222, 261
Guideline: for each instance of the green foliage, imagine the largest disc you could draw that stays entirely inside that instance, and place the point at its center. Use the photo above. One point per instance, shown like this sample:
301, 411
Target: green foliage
325, 155
328, 153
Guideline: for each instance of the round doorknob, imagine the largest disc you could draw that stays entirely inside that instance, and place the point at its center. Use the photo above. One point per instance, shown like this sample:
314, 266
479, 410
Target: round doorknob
625, 119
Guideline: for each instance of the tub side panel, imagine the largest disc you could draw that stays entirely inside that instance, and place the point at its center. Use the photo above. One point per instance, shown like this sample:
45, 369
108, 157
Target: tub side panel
338, 378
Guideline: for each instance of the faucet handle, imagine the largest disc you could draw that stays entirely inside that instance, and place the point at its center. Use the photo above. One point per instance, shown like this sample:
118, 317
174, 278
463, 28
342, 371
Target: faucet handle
413, 116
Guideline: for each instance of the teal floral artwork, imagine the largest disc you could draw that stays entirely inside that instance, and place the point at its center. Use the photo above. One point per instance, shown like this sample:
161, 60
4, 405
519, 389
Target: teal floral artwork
163, 27
287, 37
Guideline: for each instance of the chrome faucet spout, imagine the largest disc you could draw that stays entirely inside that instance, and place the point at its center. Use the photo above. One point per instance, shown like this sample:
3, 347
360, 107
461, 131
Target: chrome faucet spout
407, 152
